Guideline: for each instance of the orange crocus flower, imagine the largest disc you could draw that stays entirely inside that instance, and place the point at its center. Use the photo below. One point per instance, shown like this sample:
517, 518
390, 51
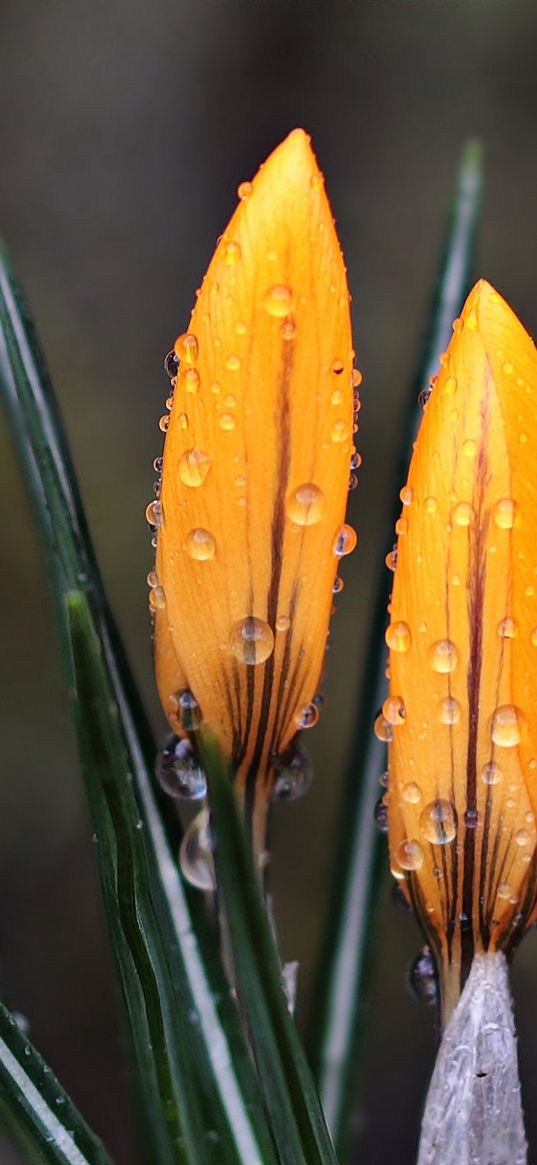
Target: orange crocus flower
250, 519
462, 708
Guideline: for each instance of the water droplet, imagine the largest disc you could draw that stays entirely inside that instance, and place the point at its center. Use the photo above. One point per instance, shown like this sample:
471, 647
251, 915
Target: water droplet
252, 640
179, 772
463, 514
410, 854
457, 325
345, 541
444, 359
469, 447
398, 636
393, 710
443, 656
507, 628
383, 731
431, 505
227, 422
154, 514
306, 505
171, 364
471, 320
183, 421
508, 726
163, 423
504, 891
293, 774
191, 380
507, 368
152, 579
339, 432
308, 715
186, 348
184, 707
424, 396
157, 598
438, 822
240, 328
411, 792
288, 330
244, 190
491, 773
449, 710
157, 464
401, 526
406, 495
381, 815
233, 363
504, 513
355, 461
338, 367
194, 466
278, 300
283, 623
195, 855
338, 585
232, 253
168, 403
356, 378
391, 559
450, 386
471, 819
522, 838
422, 980
200, 544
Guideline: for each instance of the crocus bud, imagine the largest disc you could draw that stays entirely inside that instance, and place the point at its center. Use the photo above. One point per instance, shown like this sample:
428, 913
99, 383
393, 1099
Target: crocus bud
250, 519
462, 709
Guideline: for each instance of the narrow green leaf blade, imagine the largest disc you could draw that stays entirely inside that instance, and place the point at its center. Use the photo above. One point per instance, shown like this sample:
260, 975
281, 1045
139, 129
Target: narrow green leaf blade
295, 1114
35, 1108
158, 930
338, 999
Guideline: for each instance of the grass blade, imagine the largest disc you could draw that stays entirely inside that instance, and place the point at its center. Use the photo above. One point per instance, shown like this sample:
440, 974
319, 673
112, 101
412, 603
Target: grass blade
35, 1108
294, 1111
154, 925
338, 1000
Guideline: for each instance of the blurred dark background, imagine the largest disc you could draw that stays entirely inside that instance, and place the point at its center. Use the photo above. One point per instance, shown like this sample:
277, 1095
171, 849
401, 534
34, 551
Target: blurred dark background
126, 129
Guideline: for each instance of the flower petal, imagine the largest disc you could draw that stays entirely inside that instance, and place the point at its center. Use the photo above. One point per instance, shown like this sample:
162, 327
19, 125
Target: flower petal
462, 764
256, 467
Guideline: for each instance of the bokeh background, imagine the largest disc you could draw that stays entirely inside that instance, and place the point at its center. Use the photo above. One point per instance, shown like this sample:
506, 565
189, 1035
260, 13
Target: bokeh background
127, 125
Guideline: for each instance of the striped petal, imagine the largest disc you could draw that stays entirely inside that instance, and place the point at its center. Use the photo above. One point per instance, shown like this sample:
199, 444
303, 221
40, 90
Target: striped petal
255, 471
463, 647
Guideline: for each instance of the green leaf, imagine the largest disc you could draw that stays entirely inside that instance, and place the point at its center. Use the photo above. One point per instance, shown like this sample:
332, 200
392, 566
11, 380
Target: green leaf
346, 956
197, 1088
295, 1114
40, 1115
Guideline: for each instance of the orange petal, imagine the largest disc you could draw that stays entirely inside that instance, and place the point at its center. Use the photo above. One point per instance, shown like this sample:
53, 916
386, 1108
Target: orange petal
463, 764
256, 469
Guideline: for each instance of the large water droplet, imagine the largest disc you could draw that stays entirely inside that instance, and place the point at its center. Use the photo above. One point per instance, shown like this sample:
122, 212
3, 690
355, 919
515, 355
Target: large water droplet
195, 855
345, 541
252, 640
194, 466
154, 514
382, 729
508, 726
306, 505
278, 300
292, 774
422, 980
411, 792
179, 772
186, 348
507, 628
393, 710
245, 190
438, 822
171, 365
398, 636
200, 544
462, 514
443, 656
410, 854
184, 706
157, 598
504, 513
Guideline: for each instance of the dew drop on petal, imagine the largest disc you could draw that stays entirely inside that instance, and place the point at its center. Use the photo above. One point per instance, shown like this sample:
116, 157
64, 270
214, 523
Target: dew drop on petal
153, 513
283, 623
157, 598
449, 710
252, 640
462, 514
278, 300
186, 710
308, 715
200, 544
226, 422
345, 541
338, 585
171, 364
191, 380
504, 513
288, 330
422, 978
398, 636
186, 348
438, 822
507, 628
306, 505
443, 656
411, 792
338, 367
508, 726
410, 854
293, 773
339, 432
383, 731
195, 854
491, 773
233, 363
393, 710
179, 772
194, 466
231, 252
381, 815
